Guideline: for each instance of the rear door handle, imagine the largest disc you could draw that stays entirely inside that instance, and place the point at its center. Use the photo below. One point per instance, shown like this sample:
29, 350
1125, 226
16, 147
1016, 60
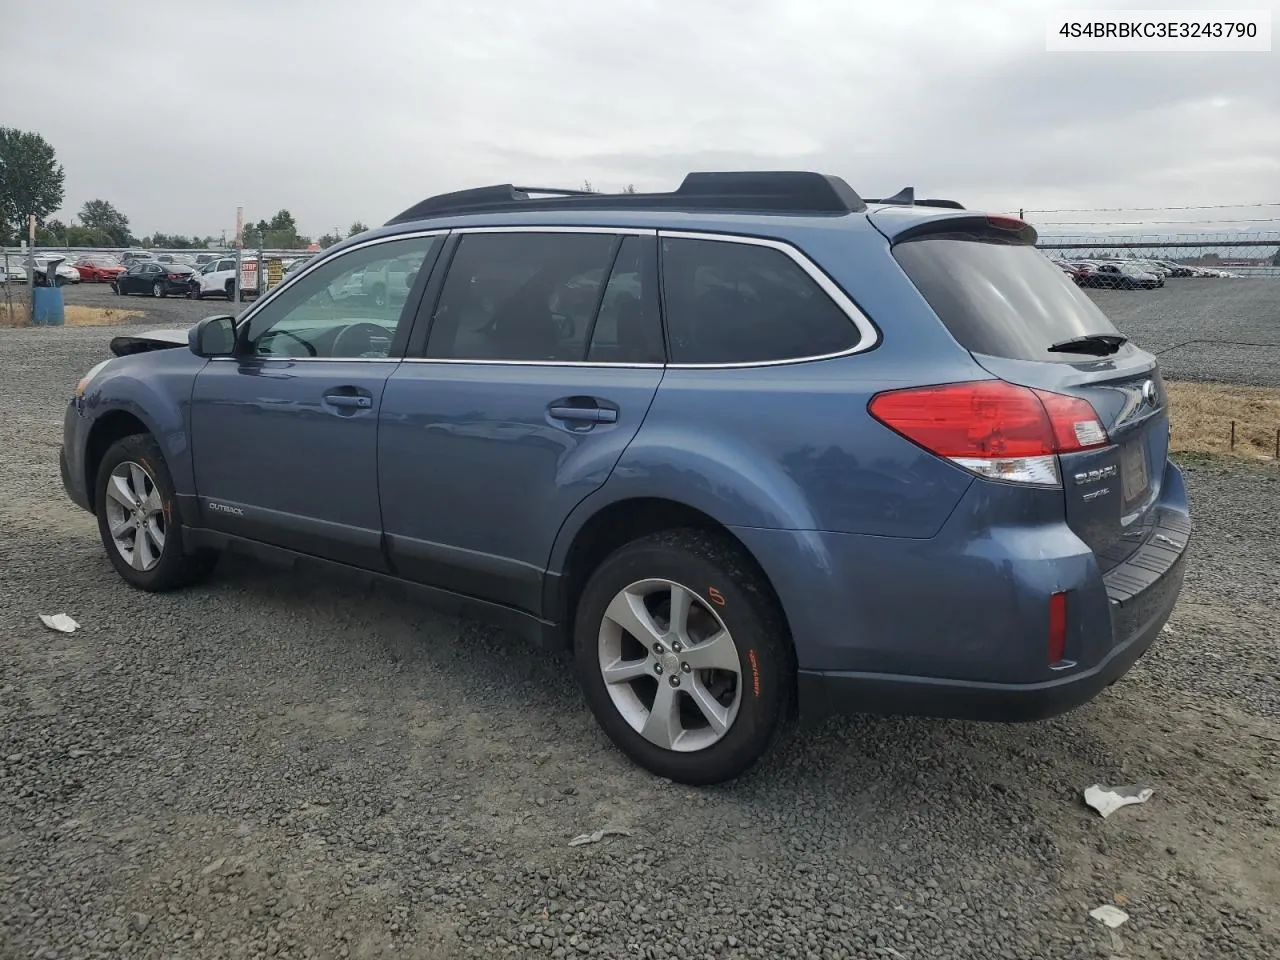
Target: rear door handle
347, 400
584, 414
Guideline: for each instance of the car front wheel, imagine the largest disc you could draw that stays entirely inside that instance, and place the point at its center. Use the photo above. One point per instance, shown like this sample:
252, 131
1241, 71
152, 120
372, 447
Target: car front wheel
683, 656
138, 518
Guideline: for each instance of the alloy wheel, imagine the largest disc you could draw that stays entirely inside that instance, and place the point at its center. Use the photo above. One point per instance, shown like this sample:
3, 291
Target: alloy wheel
135, 515
670, 665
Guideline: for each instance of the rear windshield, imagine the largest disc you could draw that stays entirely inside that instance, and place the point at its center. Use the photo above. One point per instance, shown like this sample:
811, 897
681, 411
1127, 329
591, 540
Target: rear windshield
1000, 299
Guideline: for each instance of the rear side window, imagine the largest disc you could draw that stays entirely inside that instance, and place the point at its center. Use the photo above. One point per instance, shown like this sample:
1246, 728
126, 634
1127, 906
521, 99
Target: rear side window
521, 296
1000, 299
734, 302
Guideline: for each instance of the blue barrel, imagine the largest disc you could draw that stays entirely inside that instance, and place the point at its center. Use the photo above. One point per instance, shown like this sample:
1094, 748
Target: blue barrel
49, 311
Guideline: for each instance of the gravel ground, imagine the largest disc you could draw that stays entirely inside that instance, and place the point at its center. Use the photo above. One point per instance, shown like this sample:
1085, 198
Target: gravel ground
1223, 330
273, 766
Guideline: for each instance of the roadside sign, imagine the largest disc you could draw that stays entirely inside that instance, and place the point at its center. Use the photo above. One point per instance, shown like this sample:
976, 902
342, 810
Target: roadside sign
248, 274
275, 271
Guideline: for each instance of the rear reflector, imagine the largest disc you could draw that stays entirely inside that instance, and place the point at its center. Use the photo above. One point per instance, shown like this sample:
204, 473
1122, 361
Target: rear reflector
1057, 628
994, 429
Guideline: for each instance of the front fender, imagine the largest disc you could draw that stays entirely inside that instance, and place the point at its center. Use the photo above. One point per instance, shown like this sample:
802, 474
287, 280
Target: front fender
155, 388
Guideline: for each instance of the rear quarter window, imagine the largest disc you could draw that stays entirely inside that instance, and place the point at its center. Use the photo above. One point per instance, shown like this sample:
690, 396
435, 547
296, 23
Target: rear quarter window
735, 302
1000, 299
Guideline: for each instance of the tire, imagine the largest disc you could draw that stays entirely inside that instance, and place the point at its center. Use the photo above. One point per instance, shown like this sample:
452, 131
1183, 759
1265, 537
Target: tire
230, 291
115, 288
157, 290
724, 593
139, 458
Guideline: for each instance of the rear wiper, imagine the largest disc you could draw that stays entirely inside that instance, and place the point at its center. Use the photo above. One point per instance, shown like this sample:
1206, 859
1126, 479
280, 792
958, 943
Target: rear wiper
1096, 344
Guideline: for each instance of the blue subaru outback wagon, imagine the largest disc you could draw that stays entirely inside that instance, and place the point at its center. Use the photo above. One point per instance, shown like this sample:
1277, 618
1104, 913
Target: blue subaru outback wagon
752, 446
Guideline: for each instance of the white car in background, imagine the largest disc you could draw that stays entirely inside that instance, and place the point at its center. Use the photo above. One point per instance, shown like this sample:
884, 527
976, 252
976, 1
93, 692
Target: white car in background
215, 278
65, 273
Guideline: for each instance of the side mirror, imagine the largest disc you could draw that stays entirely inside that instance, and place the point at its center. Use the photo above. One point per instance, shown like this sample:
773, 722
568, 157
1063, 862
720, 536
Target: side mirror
213, 337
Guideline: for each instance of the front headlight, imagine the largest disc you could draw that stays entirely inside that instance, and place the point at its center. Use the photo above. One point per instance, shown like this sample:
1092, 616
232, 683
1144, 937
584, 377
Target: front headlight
88, 377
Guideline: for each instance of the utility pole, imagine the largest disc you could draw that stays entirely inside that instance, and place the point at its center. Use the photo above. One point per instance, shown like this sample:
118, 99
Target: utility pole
31, 269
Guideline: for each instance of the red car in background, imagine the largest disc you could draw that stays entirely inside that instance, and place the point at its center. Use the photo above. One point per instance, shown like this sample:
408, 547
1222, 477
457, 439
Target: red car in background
98, 269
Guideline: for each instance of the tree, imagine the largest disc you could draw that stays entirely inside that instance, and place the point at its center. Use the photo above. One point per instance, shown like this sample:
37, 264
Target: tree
329, 239
52, 234
101, 215
587, 187
89, 237
356, 227
629, 188
31, 180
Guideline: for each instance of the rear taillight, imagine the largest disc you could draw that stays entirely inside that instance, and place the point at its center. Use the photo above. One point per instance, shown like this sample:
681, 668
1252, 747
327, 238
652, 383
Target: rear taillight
175, 276
994, 429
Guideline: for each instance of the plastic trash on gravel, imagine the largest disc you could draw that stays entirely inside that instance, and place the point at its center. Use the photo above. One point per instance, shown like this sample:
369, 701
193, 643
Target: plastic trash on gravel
1107, 800
60, 622
599, 835
1111, 916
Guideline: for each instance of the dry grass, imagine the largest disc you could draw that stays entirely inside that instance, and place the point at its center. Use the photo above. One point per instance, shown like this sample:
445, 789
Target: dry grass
74, 316
98, 316
1201, 414
16, 318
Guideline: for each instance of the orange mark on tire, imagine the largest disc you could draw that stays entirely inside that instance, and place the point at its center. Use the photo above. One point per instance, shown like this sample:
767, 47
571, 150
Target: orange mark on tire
716, 596
755, 672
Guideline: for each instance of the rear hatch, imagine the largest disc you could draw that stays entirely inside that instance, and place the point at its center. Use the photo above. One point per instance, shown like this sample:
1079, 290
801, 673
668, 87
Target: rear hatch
1027, 323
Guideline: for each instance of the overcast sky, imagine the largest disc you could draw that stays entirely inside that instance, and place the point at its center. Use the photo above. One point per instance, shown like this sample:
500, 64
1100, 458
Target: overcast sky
355, 109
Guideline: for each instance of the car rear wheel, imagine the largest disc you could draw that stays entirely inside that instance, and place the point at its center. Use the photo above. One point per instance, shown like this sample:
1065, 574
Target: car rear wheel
231, 292
157, 289
115, 288
683, 656
138, 519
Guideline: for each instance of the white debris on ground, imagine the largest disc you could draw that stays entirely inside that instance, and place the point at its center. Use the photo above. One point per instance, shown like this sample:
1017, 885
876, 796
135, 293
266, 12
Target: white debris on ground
1107, 800
60, 622
1111, 916
599, 835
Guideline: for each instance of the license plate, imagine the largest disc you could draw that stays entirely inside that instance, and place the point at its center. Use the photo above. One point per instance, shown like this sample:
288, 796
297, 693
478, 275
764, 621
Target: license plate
1133, 471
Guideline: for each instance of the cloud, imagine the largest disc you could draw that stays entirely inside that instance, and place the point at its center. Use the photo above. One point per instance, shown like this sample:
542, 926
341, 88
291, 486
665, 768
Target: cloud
340, 110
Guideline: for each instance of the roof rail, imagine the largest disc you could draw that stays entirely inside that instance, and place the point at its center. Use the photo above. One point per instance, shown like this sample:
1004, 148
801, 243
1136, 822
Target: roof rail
787, 191
907, 197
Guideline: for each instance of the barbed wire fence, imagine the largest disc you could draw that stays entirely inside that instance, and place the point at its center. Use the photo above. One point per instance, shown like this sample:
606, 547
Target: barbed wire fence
1242, 238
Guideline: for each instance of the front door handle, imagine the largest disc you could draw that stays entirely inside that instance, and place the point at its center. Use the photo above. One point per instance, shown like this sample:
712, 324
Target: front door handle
584, 414
349, 401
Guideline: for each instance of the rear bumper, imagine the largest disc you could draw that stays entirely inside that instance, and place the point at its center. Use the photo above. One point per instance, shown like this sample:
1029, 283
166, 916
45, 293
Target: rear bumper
957, 625
824, 693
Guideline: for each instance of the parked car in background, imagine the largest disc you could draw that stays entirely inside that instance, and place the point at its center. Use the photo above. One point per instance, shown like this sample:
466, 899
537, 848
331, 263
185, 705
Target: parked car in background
179, 258
215, 278
1118, 275
204, 258
99, 269
65, 273
133, 253
15, 273
664, 434
155, 279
